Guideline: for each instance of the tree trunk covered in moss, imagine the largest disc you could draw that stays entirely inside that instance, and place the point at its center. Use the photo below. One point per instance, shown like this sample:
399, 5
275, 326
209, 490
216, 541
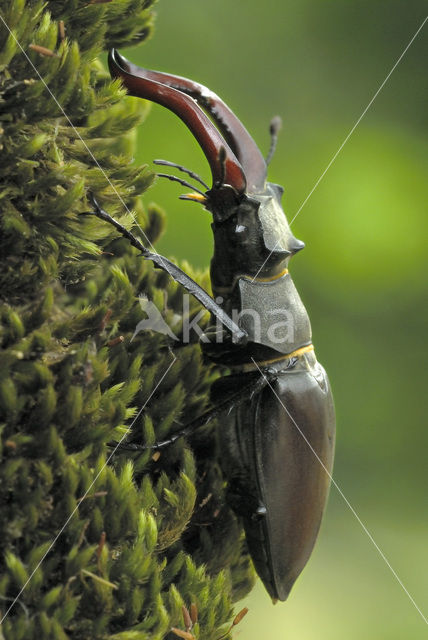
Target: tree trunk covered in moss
94, 546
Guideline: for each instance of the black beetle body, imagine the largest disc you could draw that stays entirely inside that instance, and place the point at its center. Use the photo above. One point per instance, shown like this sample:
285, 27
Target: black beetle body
278, 442
274, 446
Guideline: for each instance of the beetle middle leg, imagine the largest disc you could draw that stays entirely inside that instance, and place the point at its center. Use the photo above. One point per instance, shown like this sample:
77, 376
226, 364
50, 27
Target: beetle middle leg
229, 393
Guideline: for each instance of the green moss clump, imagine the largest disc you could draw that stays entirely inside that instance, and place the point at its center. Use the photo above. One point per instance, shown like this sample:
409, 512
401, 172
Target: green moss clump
94, 545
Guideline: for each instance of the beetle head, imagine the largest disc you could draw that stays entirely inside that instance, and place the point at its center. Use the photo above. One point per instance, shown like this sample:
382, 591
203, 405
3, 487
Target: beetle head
251, 233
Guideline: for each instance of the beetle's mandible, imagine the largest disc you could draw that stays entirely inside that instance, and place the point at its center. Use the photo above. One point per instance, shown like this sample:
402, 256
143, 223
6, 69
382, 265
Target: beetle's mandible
278, 436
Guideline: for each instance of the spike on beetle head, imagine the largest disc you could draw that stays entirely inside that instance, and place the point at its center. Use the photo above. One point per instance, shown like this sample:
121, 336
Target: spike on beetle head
251, 233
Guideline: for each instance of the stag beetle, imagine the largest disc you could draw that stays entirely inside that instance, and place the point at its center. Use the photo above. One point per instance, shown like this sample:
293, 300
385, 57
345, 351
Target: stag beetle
278, 433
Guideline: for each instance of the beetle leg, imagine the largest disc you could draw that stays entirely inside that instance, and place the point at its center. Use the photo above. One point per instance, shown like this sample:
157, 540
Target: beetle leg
225, 400
224, 407
238, 336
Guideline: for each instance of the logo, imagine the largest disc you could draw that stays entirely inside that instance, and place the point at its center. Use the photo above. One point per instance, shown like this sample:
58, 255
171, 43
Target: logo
278, 329
154, 320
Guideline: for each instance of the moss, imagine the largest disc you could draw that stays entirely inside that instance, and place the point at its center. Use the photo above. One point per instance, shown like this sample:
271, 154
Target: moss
94, 545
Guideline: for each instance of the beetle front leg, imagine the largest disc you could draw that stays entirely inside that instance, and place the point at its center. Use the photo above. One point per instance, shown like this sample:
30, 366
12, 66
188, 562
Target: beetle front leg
239, 336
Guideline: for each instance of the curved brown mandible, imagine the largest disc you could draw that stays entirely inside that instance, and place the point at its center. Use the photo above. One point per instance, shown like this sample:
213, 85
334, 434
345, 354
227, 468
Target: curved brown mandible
225, 168
231, 127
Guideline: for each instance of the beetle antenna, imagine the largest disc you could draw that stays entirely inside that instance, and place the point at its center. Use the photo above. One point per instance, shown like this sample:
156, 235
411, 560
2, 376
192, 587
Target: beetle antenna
181, 181
274, 129
180, 167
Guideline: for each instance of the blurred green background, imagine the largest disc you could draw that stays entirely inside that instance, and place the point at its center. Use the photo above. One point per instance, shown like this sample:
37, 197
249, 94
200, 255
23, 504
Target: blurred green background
362, 275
